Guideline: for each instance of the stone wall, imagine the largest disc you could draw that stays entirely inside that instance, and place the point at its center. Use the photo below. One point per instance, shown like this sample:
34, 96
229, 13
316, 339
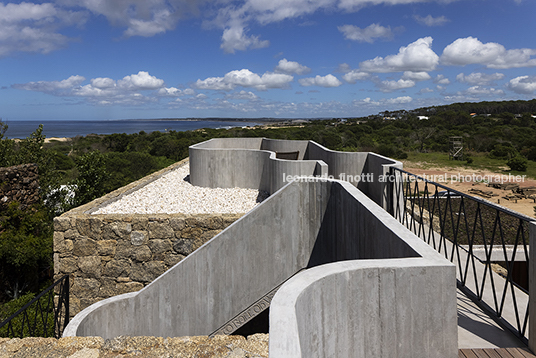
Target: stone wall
255, 346
19, 183
108, 255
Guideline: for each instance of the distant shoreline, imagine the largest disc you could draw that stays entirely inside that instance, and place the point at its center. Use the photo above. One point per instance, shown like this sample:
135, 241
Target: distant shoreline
57, 139
72, 129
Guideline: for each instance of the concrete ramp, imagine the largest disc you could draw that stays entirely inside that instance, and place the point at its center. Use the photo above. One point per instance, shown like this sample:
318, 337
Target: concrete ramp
221, 279
304, 224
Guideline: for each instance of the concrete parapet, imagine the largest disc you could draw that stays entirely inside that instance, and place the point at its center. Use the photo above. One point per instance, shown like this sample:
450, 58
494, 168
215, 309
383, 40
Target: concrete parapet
253, 163
234, 162
366, 308
303, 225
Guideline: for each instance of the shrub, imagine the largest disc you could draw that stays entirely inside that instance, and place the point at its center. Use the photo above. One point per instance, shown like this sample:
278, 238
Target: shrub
25, 249
92, 176
518, 163
502, 151
11, 307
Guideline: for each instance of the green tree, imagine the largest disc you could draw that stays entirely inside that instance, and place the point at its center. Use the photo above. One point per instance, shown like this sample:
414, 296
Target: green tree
518, 163
25, 249
7, 154
92, 176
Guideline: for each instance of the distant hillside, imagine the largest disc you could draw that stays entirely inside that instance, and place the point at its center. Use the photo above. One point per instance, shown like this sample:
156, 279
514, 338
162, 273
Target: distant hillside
514, 107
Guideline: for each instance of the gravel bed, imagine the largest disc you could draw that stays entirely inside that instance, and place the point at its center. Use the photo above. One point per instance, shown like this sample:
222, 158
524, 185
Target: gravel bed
172, 194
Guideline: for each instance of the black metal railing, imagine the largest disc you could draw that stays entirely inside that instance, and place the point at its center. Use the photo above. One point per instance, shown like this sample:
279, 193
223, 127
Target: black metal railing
485, 242
46, 315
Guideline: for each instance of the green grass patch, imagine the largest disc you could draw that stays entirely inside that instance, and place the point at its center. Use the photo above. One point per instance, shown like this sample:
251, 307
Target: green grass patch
481, 161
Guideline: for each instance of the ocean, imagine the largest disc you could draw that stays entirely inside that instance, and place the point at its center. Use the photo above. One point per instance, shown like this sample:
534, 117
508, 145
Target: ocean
66, 128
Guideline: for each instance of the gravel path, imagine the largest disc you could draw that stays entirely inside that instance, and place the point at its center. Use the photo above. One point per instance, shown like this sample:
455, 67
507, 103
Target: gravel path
173, 193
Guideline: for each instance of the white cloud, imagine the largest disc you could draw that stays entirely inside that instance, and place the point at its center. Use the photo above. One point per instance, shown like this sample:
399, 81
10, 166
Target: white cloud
175, 92
416, 76
343, 68
102, 82
442, 80
52, 87
290, 67
480, 90
141, 81
368, 100
469, 50
234, 38
430, 20
382, 101
355, 75
416, 57
102, 90
26, 11
399, 100
140, 17
426, 90
368, 34
242, 95
28, 27
322, 81
523, 84
479, 79
390, 86
245, 78
236, 16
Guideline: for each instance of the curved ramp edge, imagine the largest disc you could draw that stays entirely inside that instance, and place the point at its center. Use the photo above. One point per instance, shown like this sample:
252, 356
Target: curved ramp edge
369, 308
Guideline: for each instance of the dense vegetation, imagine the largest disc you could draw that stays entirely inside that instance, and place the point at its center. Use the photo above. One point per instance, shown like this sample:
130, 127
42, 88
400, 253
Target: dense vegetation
91, 166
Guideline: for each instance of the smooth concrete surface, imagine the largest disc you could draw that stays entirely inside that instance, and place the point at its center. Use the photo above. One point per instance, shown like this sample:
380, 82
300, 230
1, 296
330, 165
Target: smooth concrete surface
498, 254
252, 163
378, 189
223, 277
233, 162
278, 145
366, 308
286, 233
478, 330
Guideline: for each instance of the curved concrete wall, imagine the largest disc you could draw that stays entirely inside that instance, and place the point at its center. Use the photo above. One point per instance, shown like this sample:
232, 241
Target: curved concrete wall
229, 168
239, 162
303, 225
362, 309
278, 145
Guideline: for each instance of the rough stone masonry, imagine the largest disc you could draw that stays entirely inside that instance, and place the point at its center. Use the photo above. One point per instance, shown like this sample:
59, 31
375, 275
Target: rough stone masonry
111, 254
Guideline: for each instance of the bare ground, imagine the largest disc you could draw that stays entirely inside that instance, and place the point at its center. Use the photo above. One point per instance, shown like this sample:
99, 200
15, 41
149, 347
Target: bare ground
464, 180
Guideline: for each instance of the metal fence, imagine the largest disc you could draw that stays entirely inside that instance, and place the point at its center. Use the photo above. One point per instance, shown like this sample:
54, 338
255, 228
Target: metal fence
487, 243
46, 315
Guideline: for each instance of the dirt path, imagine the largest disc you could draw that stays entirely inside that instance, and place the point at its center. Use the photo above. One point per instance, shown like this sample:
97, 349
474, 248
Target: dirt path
465, 180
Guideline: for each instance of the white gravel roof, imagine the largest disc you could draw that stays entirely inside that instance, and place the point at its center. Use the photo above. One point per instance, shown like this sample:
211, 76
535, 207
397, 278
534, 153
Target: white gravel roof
172, 193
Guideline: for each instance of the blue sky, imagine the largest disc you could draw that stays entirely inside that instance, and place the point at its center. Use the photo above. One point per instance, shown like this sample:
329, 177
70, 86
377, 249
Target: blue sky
125, 59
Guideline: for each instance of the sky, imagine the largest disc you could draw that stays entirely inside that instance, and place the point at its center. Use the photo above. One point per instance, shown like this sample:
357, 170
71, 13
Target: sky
129, 59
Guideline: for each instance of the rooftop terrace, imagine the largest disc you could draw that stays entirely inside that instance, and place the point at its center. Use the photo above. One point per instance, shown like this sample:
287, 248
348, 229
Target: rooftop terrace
331, 257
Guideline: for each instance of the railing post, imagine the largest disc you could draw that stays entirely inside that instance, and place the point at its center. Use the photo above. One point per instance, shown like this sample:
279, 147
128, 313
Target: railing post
532, 286
389, 205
